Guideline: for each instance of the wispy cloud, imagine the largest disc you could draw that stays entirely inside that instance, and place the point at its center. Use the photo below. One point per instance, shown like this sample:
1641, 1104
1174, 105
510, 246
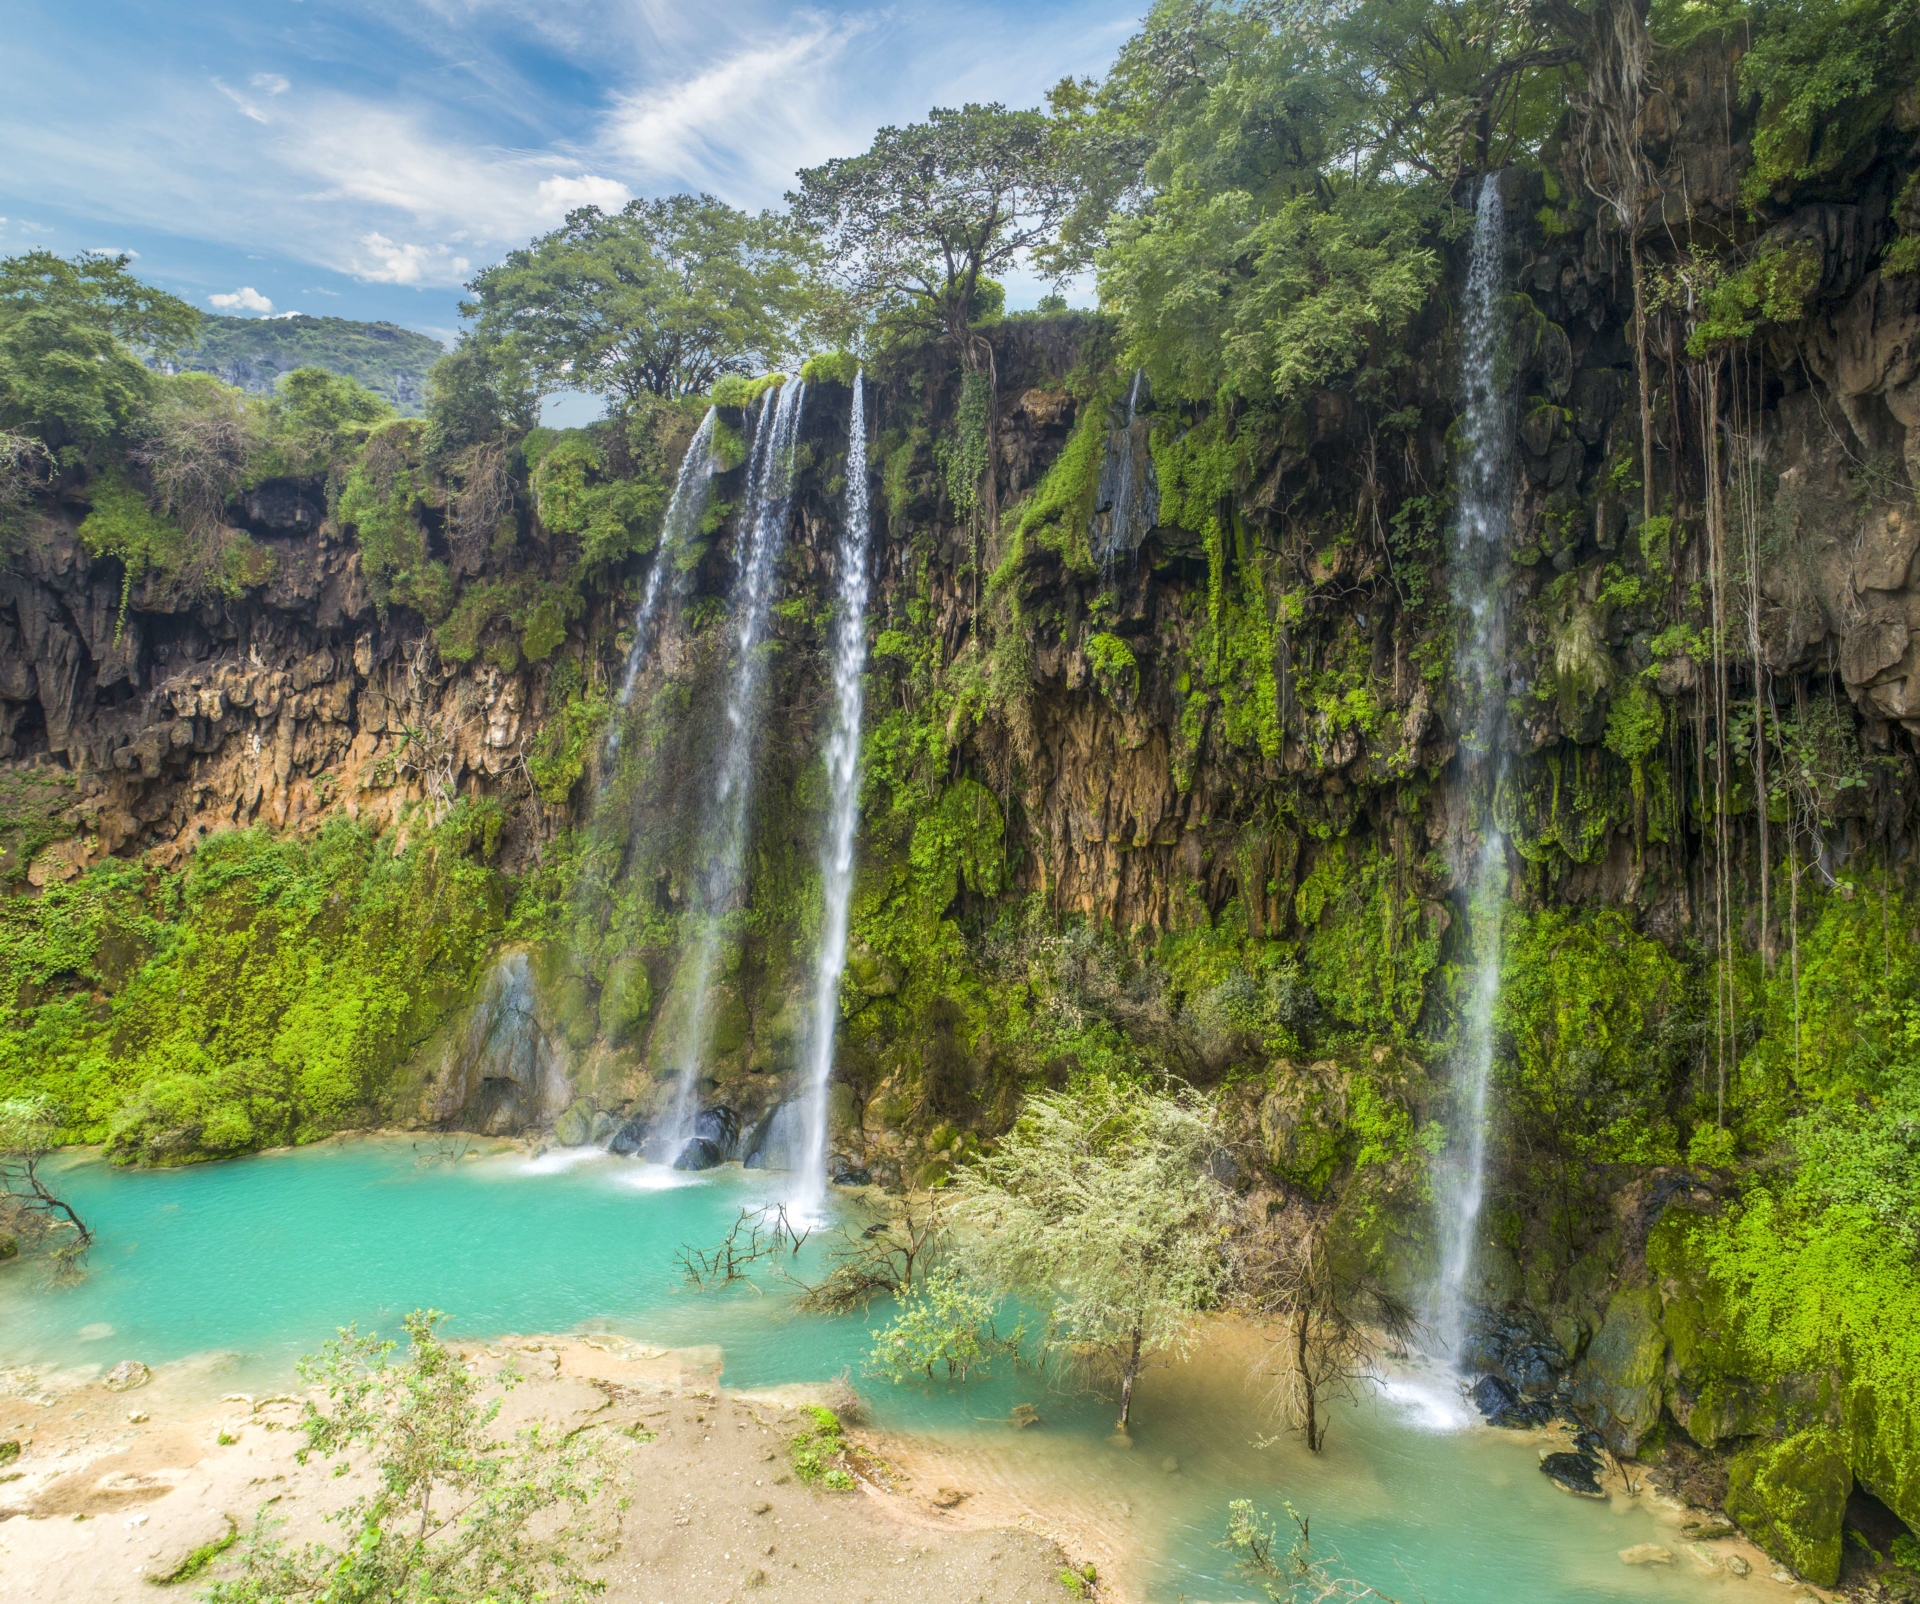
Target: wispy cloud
409, 145
741, 124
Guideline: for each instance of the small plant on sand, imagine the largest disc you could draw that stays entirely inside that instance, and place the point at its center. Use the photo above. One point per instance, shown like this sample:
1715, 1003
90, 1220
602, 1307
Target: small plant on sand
816, 1448
453, 1512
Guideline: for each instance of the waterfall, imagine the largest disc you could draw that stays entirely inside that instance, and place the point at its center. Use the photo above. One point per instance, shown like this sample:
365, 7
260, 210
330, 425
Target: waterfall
843, 774
762, 540
684, 511
1128, 497
1483, 490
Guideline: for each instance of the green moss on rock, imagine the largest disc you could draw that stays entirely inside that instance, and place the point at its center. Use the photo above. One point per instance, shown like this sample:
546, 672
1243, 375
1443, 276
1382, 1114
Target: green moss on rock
1621, 1383
1791, 1499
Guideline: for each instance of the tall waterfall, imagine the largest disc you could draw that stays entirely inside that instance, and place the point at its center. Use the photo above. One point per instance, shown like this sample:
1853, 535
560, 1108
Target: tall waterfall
843, 774
763, 538
690, 490
1483, 490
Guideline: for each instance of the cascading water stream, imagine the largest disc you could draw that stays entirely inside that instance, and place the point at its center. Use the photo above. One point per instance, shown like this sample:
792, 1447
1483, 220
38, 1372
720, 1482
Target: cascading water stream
763, 538
690, 490
843, 774
1484, 491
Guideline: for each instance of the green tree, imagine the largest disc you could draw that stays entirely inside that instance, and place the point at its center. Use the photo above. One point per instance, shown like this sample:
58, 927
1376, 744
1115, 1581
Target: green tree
1277, 178
30, 1129
70, 336
454, 1513
660, 298
917, 225
477, 393
1101, 1207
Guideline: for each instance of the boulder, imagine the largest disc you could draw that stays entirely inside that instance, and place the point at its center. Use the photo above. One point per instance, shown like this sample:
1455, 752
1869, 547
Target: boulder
574, 1128
1621, 1380
1492, 1397
126, 1375
604, 1125
1574, 1472
628, 1137
845, 1171
720, 1126
1791, 1499
698, 1154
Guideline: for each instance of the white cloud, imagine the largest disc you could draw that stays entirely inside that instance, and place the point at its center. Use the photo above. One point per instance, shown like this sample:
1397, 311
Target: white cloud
389, 261
292, 312
271, 82
106, 250
558, 196
244, 299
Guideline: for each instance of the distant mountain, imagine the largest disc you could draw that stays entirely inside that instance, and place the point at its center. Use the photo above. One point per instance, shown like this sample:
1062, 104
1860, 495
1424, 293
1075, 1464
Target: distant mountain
253, 352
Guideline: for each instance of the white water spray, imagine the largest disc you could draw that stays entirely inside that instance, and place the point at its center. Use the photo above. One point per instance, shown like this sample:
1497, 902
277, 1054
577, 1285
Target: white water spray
684, 512
1484, 492
763, 539
843, 774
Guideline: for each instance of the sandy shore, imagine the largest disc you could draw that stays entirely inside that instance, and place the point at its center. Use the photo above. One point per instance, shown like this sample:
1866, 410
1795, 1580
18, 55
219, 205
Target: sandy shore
114, 1490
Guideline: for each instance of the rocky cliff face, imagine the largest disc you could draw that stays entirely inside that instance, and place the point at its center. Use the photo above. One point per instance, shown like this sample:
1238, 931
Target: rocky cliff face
166, 718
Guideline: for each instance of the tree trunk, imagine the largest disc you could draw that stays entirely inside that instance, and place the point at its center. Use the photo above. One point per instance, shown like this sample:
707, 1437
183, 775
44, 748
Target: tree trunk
1309, 1403
1126, 1380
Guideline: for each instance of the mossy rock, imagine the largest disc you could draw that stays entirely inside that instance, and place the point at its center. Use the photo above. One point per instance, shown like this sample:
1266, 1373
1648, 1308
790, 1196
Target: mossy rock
872, 974
574, 1012
1303, 1123
1622, 1378
625, 1000
9, 1247
1791, 1498
574, 1128
728, 1033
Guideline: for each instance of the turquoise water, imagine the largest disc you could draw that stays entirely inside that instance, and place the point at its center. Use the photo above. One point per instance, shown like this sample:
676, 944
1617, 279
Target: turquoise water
267, 1255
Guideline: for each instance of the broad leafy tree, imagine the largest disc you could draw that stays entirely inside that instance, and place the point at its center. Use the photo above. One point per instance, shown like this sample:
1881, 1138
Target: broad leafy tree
1267, 185
660, 298
72, 332
1101, 1207
917, 225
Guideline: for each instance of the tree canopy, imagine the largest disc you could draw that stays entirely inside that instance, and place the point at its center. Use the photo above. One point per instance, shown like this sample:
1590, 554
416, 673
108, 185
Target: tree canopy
70, 334
1100, 1205
915, 226
1266, 185
660, 298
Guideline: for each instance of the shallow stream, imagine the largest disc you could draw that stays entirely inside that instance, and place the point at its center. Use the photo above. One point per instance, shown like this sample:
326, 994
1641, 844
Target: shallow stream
265, 1256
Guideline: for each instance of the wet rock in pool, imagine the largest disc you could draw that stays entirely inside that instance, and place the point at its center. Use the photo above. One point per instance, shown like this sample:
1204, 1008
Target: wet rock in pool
9, 1246
720, 1126
126, 1375
698, 1154
628, 1137
846, 1172
1492, 1397
574, 1128
1646, 1554
1574, 1472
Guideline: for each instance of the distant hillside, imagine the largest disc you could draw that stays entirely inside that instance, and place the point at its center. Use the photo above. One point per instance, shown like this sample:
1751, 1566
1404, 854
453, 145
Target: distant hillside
253, 352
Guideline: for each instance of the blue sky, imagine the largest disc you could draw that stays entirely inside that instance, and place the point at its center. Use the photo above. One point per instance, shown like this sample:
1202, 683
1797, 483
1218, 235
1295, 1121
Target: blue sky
361, 159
